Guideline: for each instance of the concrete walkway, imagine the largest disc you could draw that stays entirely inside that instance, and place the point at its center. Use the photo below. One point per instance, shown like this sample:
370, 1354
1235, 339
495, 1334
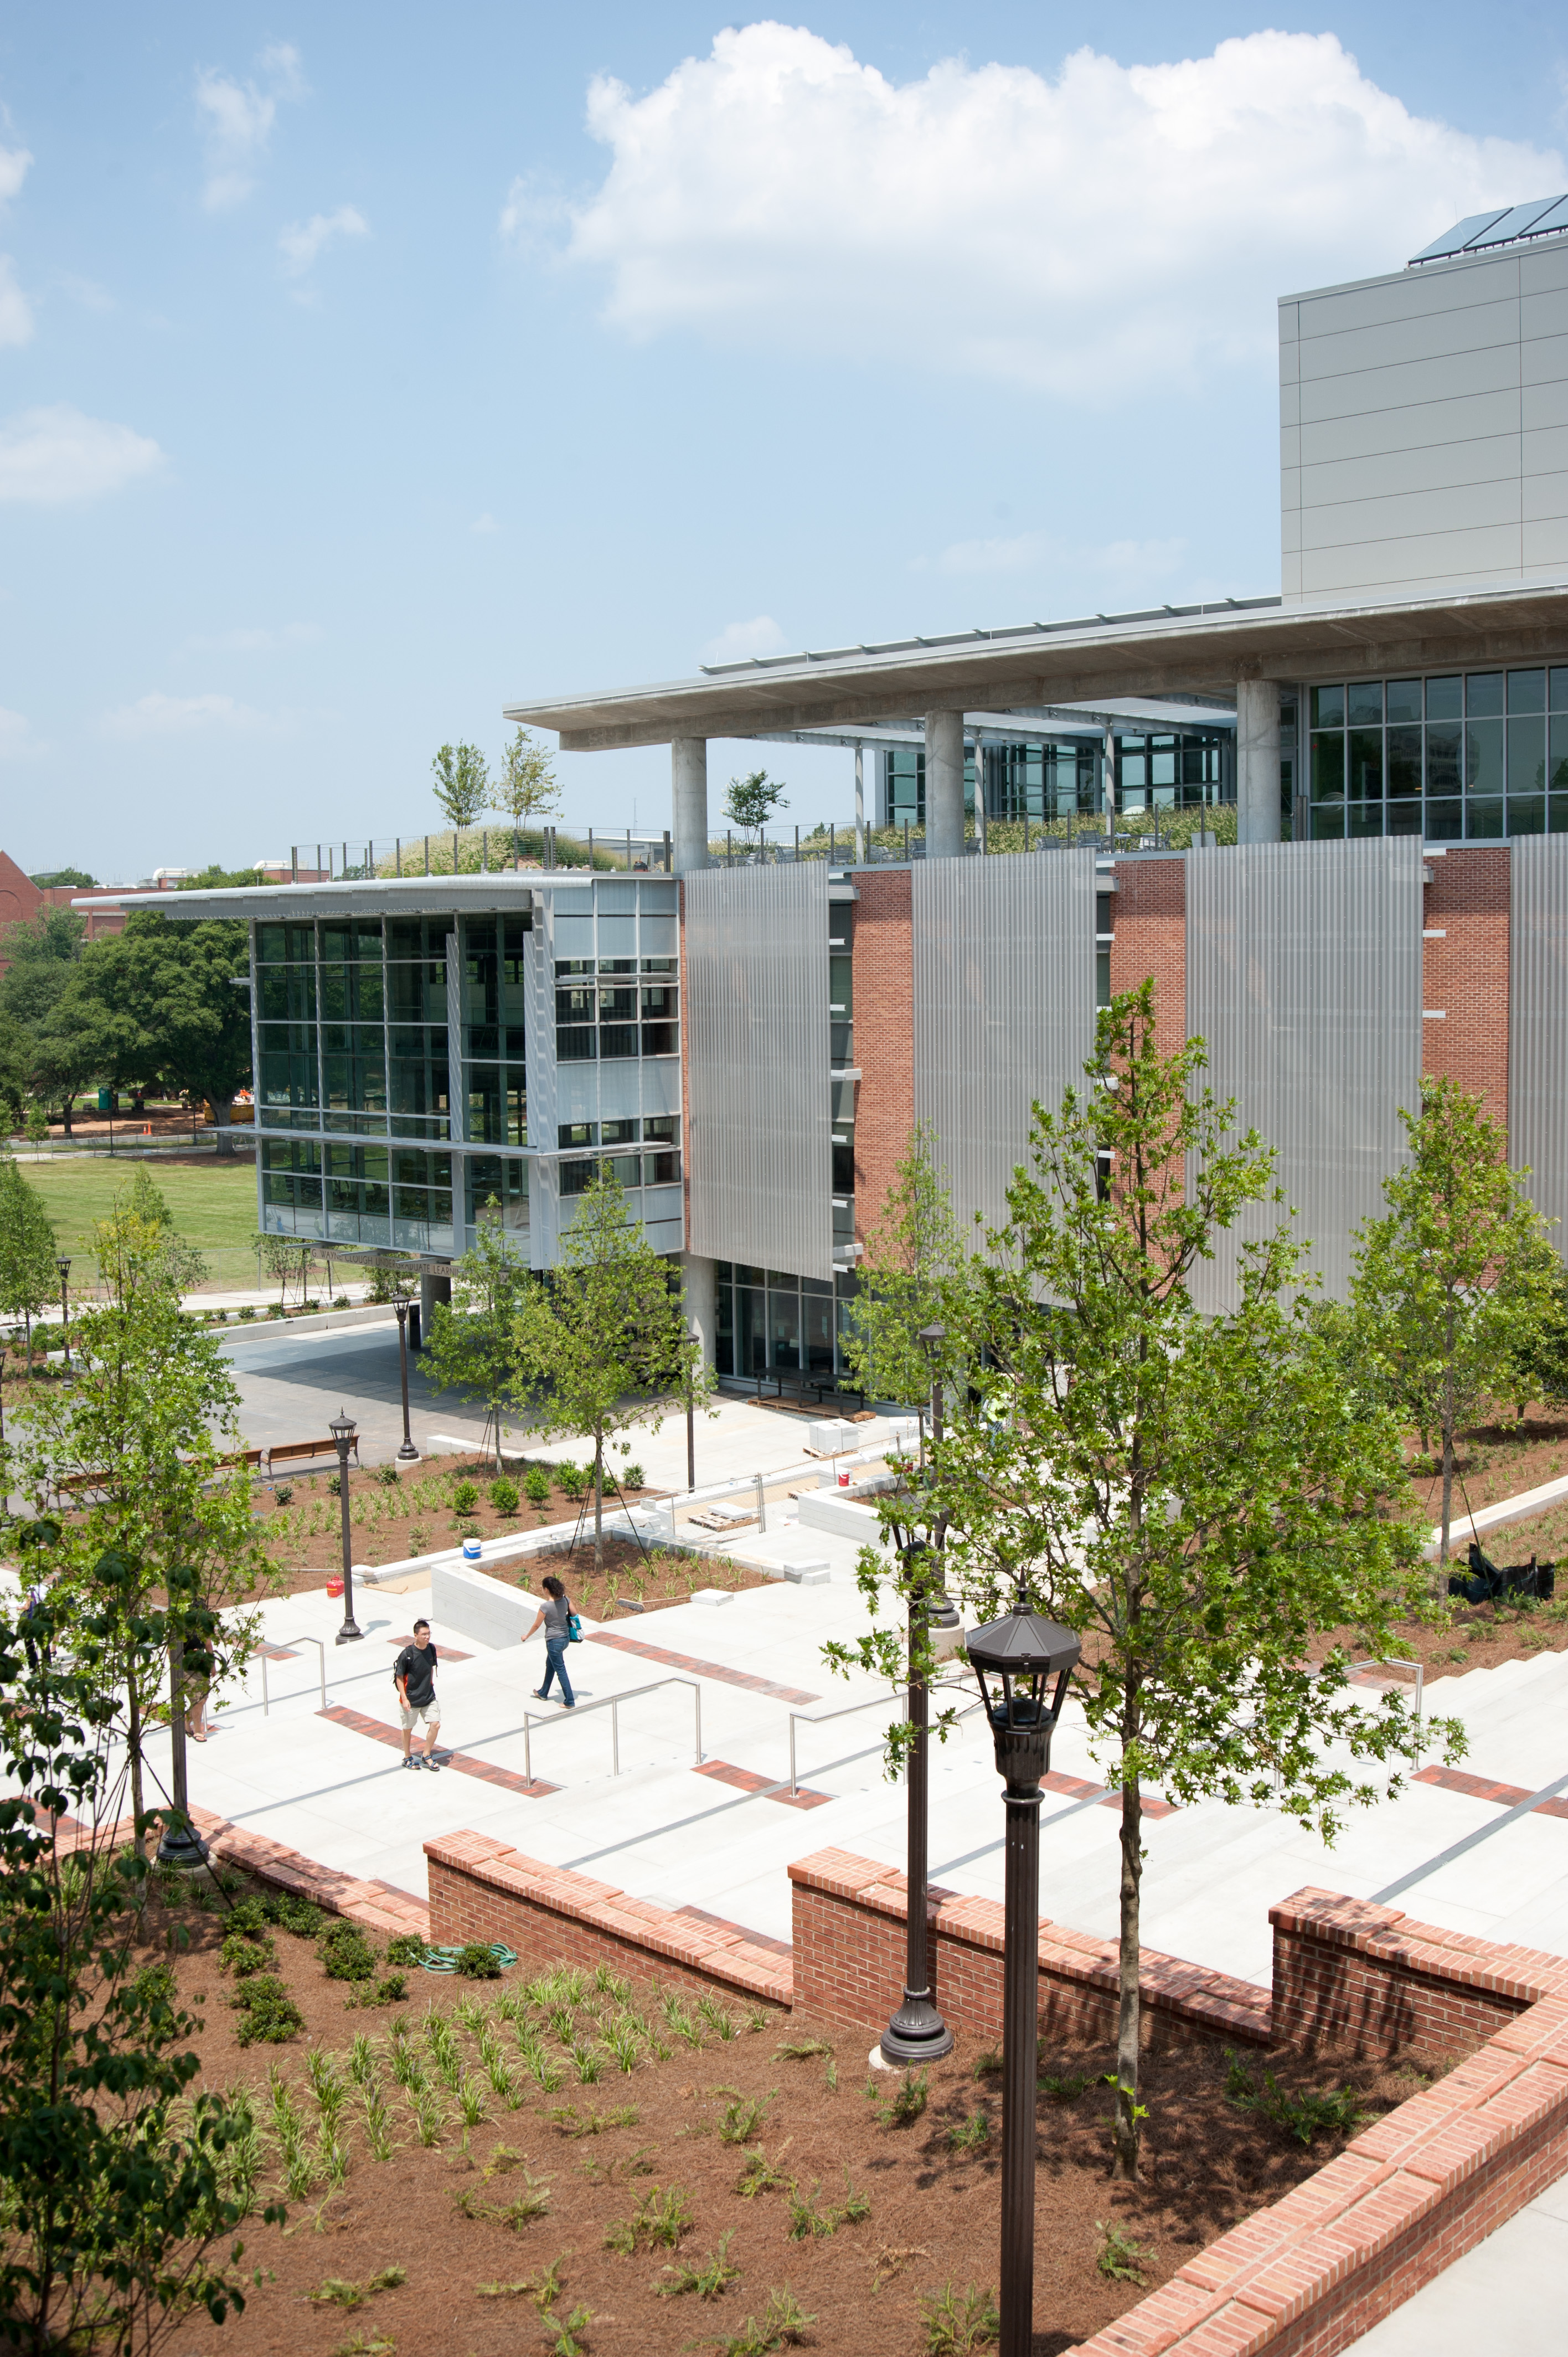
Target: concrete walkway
1507, 2296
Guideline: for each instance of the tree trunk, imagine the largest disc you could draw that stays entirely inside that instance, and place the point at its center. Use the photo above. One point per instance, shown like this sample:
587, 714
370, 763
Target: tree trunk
65, 1117
134, 1744
222, 1121
598, 1502
1447, 1446
1124, 2127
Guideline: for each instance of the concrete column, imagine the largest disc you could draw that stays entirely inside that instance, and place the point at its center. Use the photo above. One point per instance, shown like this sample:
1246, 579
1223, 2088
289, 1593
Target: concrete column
1257, 761
434, 1286
698, 1283
944, 785
859, 817
1108, 779
689, 796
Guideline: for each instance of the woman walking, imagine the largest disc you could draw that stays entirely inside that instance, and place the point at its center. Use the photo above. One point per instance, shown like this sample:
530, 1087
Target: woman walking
554, 1616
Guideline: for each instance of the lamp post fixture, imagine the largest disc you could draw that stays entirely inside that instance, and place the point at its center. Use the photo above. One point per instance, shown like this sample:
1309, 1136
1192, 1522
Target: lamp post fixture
408, 1454
342, 1428
916, 2033
1016, 1661
63, 1265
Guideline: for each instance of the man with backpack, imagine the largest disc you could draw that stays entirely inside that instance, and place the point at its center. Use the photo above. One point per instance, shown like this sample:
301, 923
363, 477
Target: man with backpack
414, 1675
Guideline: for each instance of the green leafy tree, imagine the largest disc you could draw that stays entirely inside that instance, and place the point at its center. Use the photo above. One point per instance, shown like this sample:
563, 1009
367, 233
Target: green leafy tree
1455, 1286
1187, 1491
215, 878
43, 951
606, 1331
279, 1256
122, 2189
751, 802
28, 1277
915, 1275
139, 1443
526, 789
158, 1002
474, 1344
75, 878
462, 783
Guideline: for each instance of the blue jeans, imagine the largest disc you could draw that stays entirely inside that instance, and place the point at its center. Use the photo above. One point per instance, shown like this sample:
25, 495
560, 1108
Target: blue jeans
555, 1667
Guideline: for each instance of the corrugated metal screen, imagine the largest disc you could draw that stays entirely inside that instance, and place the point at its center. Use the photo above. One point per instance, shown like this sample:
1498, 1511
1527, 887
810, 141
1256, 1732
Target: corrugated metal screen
760, 1156
1304, 977
1537, 1023
1004, 1015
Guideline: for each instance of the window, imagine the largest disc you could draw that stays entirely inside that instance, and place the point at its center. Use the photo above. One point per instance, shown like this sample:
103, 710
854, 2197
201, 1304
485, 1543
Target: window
1458, 756
577, 1133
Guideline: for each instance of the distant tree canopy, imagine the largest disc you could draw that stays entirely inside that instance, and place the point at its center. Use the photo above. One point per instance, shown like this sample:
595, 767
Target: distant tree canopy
219, 879
74, 876
157, 1003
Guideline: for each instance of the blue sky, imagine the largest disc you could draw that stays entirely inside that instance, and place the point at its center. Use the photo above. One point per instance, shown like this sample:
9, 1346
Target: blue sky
363, 368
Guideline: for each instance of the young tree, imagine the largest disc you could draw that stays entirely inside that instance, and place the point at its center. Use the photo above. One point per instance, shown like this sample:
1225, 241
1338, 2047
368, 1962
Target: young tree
476, 1345
28, 1277
462, 783
137, 1442
526, 789
138, 1244
1455, 1283
279, 1256
915, 1275
120, 2187
751, 802
1187, 1492
607, 1329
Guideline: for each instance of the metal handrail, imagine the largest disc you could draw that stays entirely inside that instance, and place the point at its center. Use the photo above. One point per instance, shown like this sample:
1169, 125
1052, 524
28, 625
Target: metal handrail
612, 1703
822, 1718
266, 1704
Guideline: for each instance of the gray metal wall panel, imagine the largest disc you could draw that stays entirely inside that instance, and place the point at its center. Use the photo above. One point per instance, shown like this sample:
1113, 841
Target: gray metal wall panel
1304, 977
759, 1132
1538, 1022
1004, 1015
544, 1108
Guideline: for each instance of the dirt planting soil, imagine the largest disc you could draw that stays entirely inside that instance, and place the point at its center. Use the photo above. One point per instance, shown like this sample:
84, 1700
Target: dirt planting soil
554, 2147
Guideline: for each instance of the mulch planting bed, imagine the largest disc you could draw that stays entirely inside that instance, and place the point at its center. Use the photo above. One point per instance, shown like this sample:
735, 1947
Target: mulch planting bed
525, 2171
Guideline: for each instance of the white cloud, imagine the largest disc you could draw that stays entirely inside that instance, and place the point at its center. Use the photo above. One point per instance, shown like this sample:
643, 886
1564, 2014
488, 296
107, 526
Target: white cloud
535, 213
89, 294
15, 311
1088, 232
301, 241
484, 525
257, 642
183, 715
48, 456
236, 121
14, 162
761, 636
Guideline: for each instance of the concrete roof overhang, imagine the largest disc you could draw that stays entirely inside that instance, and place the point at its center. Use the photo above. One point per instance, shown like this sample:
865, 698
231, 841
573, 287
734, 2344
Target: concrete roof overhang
1202, 651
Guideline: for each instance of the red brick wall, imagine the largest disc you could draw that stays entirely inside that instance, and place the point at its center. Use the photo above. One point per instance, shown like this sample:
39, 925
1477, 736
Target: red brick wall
1148, 916
1465, 976
884, 973
1346, 1976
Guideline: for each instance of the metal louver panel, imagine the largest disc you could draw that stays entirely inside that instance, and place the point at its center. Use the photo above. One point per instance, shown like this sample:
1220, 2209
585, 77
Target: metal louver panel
757, 1117
1304, 978
1003, 1013
539, 1034
1537, 1023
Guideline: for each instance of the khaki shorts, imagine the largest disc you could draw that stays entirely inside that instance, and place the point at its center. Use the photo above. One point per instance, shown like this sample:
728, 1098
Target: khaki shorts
410, 1713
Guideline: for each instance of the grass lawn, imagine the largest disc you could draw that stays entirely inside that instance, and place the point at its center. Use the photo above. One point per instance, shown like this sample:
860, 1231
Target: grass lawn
213, 1203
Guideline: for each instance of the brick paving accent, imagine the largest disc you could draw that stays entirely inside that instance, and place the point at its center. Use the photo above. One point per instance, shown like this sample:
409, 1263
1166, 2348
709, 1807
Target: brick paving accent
849, 1921
746, 1780
1148, 917
1053, 1780
464, 1761
1485, 1788
883, 973
481, 1889
1310, 2274
1466, 975
277, 1652
694, 1668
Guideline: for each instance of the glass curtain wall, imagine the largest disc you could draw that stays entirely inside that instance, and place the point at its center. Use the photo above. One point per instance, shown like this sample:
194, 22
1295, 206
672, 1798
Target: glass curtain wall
769, 1321
1059, 778
1463, 757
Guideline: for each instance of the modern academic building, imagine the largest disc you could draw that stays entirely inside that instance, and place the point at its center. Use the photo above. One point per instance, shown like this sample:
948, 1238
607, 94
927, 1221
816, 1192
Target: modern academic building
750, 1045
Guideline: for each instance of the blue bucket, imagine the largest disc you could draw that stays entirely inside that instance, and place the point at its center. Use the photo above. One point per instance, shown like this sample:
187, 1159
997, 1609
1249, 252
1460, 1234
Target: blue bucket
470, 1550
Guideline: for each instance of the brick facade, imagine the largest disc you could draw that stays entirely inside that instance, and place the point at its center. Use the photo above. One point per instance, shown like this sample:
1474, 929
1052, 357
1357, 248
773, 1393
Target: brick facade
1148, 919
884, 978
1464, 975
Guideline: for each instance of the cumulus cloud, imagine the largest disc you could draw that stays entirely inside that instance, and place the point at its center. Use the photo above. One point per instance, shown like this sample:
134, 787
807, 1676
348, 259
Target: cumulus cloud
50, 457
184, 716
1084, 231
760, 636
236, 121
535, 212
301, 241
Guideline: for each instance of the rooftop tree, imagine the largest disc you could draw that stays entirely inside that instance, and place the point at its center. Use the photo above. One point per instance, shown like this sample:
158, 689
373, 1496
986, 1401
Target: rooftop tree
526, 788
1189, 1491
462, 783
750, 801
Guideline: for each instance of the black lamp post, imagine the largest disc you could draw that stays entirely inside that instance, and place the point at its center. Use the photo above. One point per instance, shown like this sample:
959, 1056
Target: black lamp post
932, 1338
342, 1428
408, 1453
1016, 1661
63, 1265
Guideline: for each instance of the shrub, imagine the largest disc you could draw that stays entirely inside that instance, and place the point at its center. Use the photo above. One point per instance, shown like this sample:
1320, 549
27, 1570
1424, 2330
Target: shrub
247, 1314
957, 2323
1334, 2111
536, 1486
242, 1954
391, 1988
631, 1477
387, 1476
464, 1497
268, 2015
572, 1481
405, 1948
345, 1953
248, 1916
476, 1960
300, 1916
339, 1301
284, 1494
504, 1494
335, 1485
